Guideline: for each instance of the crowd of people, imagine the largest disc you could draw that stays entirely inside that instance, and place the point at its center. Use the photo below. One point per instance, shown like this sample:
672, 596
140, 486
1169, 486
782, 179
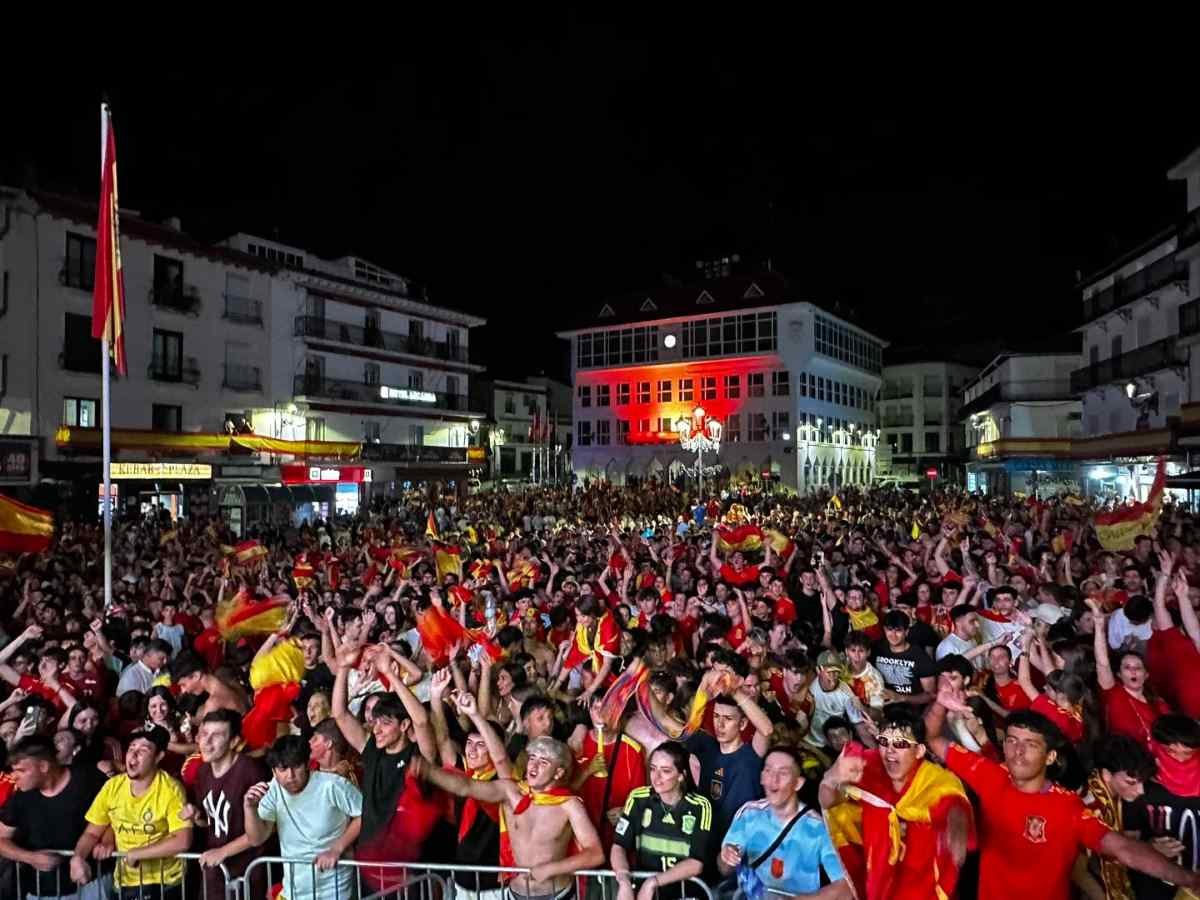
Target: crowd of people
880, 694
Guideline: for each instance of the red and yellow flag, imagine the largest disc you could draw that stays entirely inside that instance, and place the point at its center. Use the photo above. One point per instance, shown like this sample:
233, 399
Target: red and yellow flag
1117, 530
108, 299
449, 560
24, 529
243, 615
744, 537
431, 529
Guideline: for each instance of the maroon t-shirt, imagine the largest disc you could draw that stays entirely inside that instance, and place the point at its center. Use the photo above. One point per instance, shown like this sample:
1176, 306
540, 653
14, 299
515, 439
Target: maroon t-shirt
220, 801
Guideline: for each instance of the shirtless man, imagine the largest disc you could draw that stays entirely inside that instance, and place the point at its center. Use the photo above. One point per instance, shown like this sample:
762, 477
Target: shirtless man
190, 672
540, 816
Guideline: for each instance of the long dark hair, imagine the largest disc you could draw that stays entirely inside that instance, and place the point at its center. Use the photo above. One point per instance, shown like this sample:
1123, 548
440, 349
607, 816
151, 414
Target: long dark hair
680, 759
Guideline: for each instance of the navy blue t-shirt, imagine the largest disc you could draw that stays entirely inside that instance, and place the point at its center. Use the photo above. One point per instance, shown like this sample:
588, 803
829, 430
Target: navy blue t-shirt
728, 779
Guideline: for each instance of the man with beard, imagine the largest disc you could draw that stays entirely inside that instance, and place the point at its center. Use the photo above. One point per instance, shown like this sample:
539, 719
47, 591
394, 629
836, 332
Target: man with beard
221, 782
864, 791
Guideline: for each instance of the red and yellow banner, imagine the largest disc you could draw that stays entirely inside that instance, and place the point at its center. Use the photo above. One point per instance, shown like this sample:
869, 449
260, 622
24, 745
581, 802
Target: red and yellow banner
1117, 530
202, 442
108, 298
449, 560
24, 529
245, 615
743, 538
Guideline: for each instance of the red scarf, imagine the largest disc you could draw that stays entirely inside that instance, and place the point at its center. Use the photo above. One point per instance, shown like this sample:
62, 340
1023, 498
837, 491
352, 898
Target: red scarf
1180, 778
472, 807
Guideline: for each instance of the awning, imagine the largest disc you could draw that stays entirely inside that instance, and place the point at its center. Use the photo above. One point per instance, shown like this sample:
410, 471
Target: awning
279, 495
201, 442
1185, 481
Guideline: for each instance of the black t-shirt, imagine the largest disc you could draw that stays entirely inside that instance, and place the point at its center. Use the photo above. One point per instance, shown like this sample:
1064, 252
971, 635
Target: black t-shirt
318, 678
1159, 813
902, 672
52, 823
383, 781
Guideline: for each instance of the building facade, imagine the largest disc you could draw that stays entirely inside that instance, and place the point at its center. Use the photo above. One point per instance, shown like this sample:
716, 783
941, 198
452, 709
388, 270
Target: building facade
1020, 417
919, 428
792, 385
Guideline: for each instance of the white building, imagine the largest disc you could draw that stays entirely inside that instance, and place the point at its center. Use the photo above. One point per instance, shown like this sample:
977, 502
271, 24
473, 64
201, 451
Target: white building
521, 430
793, 385
919, 420
1020, 419
1187, 252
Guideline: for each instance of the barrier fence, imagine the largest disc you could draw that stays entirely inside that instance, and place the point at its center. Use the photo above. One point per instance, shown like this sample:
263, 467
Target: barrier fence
305, 879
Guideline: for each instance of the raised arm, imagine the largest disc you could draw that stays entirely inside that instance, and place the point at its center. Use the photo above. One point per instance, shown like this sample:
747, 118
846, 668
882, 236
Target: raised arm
422, 730
495, 746
352, 729
1104, 672
1162, 617
1025, 677
447, 749
1187, 614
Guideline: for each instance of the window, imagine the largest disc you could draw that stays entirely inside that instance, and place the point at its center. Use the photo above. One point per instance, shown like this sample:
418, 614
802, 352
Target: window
167, 360
603, 432
664, 425
618, 346
720, 335
933, 442
1093, 354
79, 270
371, 373
820, 388
1143, 330
708, 387
585, 395
906, 442
664, 391
168, 279
510, 403
1116, 345
167, 418
371, 432
758, 428
416, 380
686, 390
643, 392
623, 394
754, 383
834, 340
1114, 420
416, 435
314, 428
733, 387
780, 385
452, 394
79, 412
81, 351
622, 431
603, 397
733, 429
416, 330
780, 423
583, 433
803, 384
644, 426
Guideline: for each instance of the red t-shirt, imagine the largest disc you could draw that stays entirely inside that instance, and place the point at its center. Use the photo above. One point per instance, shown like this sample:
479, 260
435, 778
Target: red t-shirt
1012, 696
1125, 714
1174, 667
31, 685
785, 611
748, 575
1028, 842
1069, 722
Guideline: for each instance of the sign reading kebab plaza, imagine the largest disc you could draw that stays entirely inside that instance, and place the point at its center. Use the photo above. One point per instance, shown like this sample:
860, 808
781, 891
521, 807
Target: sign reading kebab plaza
150, 471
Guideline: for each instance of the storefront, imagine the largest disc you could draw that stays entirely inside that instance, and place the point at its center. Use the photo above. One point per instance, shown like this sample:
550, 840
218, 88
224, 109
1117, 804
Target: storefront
145, 488
324, 490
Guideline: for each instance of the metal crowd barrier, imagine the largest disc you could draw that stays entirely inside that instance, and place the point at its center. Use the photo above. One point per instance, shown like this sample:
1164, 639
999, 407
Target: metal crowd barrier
26, 882
361, 880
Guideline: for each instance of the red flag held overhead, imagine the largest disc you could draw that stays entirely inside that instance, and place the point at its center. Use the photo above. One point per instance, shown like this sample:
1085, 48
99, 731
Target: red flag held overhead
108, 301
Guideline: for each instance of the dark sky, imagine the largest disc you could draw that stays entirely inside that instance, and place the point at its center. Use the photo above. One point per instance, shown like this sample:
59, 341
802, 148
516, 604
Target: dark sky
946, 192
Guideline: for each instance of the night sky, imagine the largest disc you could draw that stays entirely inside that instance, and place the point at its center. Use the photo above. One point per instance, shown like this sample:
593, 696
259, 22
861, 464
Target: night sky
943, 194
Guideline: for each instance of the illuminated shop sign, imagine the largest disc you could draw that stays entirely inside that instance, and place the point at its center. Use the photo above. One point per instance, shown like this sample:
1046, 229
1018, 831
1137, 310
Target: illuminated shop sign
412, 396
149, 471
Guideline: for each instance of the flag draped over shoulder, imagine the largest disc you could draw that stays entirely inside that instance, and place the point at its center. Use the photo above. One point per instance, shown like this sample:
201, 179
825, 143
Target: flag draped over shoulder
607, 641
743, 538
108, 299
275, 677
1118, 529
24, 529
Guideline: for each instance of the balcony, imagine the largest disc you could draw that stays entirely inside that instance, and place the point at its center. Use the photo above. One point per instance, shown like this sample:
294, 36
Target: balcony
361, 392
896, 391
175, 371
243, 309
896, 421
176, 298
242, 378
1189, 231
413, 453
1189, 318
1162, 354
1158, 274
392, 342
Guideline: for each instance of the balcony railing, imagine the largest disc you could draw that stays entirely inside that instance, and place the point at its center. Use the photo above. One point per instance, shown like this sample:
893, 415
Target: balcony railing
896, 391
185, 371
1160, 355
896, 421
1189, 230
413, 453
1189, 318
243, 309
242, 378
393, 342
343, 389
180, 299
1157, 275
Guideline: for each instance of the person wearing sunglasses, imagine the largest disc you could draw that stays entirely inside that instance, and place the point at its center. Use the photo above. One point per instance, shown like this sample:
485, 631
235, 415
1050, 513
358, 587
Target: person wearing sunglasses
902, 824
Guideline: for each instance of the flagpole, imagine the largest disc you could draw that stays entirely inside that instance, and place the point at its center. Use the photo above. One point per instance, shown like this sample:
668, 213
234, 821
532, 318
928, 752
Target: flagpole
104, 401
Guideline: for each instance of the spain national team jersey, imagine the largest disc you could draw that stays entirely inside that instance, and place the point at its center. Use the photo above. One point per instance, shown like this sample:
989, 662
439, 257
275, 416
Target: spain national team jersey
662, 835
1028, 842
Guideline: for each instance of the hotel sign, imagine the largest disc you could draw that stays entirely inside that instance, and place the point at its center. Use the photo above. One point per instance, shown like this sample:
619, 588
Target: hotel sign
151, 471
408, 394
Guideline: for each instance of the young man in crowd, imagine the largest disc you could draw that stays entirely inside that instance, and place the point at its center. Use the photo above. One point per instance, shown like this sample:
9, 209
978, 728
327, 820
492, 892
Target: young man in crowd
908, 672
141, 673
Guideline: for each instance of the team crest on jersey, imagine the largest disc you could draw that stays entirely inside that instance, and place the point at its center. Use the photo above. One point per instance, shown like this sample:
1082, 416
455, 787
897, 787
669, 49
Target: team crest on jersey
688, 823
647, 818
1035, 829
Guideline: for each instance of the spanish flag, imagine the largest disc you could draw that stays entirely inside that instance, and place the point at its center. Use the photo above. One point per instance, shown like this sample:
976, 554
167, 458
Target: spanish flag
1118, 529
108, 299
449, 560
743, 538
586, 647
24, 529
439, 632
245, 615
247, 552
303, 574
779, 542
431, 529
275, 677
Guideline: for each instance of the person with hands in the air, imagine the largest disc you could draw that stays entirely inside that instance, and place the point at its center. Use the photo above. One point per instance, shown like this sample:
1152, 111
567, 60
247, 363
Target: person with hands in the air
317, 816
1032, 830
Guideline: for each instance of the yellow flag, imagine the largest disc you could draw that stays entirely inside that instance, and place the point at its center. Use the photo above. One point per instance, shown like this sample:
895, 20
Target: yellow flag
916, 531
836, 501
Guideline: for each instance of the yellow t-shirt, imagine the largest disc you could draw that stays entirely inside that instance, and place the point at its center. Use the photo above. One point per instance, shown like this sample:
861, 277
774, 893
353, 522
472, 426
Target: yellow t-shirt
139, 821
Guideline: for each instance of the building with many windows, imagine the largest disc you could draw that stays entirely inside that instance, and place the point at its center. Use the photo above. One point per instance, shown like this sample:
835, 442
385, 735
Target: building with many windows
524, 435
918, 420
792, 384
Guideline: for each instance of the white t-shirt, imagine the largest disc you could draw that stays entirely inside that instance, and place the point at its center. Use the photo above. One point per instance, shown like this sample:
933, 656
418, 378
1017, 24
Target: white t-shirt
1120, 628
952, 643
827, 704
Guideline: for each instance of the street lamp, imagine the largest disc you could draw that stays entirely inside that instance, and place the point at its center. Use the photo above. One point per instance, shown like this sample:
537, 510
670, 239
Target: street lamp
699, 433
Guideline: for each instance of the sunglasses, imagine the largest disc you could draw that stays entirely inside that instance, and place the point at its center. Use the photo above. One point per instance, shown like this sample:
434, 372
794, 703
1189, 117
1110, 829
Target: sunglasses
895, 743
